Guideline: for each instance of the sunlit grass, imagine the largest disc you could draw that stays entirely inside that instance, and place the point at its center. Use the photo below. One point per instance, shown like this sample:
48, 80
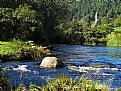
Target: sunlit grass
117, 29
64, 83
17, 49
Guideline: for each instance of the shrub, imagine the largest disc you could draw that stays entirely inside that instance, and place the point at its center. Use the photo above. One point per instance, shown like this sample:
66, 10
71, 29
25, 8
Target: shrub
114, 39
67, 84
36, 52
64, 83
16, 50
112, 42
118, 37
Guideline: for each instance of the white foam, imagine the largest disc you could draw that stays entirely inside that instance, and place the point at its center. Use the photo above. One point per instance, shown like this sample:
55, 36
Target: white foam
116, 69
35, 72
86, 69
22, 68
80, 69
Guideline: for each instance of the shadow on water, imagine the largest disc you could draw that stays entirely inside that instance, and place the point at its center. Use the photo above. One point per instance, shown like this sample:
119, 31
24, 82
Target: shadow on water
105, 63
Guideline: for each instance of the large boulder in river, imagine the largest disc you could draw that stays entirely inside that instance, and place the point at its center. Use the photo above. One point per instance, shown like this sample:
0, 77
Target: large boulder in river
51, 62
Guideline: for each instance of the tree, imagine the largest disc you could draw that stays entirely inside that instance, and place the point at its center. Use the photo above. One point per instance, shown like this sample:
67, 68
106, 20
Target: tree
26, 20
51, 14
117, 21
6, 23
17, 24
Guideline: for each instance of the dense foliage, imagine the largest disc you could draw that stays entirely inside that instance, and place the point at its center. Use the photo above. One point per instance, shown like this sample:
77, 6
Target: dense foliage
60, 21
19, 50
64, 83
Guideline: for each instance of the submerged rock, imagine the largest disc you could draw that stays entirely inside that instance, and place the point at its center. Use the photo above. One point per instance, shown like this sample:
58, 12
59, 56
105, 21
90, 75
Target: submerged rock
99, 66
52, 62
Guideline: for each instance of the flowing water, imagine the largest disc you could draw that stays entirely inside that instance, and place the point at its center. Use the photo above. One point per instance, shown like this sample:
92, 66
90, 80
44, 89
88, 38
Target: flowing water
101, 64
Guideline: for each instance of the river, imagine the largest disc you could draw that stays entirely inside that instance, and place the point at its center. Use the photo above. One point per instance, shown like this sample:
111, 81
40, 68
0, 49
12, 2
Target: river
109, 58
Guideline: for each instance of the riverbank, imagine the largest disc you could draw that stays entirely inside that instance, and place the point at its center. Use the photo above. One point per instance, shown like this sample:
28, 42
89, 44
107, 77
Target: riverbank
19, 50
64, 83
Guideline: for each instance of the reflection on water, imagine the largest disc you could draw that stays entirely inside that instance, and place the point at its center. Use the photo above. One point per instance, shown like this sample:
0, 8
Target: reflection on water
108, 59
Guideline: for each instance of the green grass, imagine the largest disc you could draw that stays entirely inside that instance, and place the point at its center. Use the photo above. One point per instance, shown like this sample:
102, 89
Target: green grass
17, 49
117, 29
63, 83
67, 84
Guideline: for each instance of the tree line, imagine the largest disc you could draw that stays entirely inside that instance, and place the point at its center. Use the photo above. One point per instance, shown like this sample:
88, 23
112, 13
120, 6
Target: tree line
59, 21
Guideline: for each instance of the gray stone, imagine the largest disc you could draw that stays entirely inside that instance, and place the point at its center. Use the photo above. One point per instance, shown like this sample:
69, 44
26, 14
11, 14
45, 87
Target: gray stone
51, 62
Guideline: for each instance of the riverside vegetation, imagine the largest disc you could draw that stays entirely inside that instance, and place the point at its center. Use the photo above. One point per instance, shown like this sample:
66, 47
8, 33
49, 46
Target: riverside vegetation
19, 50
63, 83
57, 21
65, 21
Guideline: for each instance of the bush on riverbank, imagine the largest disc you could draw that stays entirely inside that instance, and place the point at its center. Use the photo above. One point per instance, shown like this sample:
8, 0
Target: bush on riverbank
64, 83
114, 39
18, 50
67, 84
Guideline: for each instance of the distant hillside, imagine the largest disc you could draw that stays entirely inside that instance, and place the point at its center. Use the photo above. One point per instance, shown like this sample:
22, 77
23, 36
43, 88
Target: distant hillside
108, 10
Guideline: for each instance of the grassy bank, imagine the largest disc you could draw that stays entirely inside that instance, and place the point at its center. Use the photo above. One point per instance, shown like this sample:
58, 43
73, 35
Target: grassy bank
64, 83
19, 50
